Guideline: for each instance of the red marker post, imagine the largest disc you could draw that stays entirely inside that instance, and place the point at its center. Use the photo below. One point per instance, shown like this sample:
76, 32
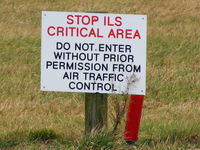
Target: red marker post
133, 118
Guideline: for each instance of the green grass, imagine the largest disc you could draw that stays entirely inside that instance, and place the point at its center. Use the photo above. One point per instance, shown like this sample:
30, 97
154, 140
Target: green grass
35, 120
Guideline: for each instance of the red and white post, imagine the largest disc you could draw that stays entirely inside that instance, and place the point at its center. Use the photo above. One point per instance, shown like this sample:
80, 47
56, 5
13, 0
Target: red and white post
133, 118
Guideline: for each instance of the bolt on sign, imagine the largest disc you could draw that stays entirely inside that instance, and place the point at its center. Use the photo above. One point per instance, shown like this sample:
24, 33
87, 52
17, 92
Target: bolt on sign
93, 52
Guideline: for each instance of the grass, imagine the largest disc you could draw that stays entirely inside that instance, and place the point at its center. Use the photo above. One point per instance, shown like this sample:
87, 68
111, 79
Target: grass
172, 105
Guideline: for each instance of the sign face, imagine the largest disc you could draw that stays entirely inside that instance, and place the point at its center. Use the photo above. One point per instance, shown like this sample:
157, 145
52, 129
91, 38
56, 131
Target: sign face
93, 52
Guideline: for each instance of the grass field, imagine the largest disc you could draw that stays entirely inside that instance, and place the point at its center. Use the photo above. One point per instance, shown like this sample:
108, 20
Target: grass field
171, 114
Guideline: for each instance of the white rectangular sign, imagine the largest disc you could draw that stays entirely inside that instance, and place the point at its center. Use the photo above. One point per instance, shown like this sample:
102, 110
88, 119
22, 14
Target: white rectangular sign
93, 52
